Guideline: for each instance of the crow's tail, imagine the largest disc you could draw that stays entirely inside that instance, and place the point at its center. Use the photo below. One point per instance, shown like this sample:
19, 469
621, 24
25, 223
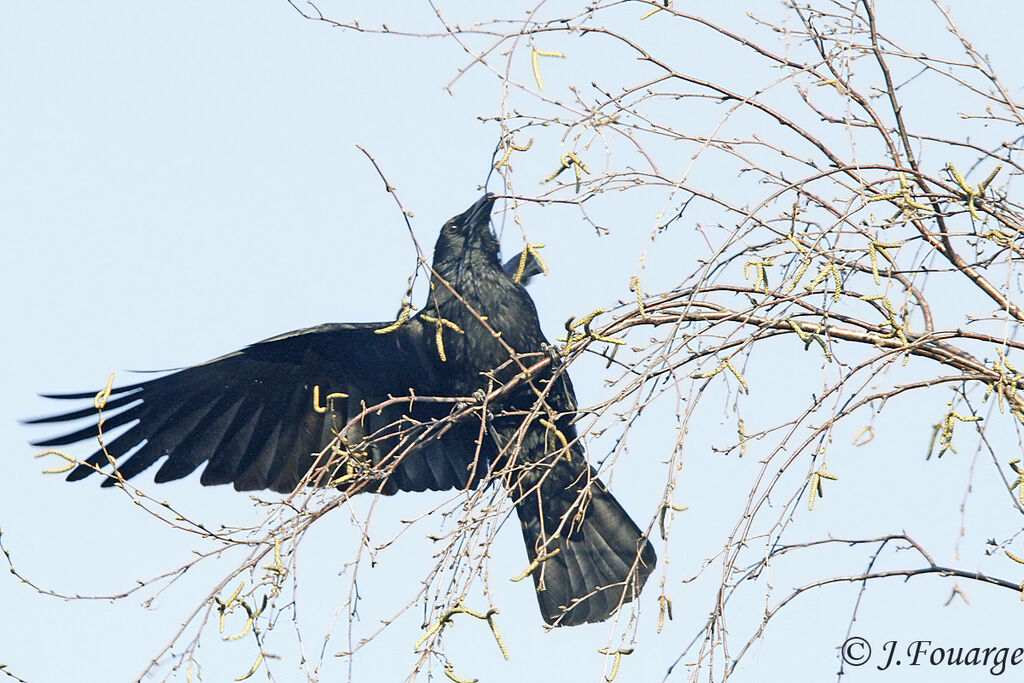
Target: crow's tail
587, 556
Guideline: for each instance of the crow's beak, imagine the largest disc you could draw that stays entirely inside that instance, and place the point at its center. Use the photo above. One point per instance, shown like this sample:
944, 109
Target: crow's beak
480, 212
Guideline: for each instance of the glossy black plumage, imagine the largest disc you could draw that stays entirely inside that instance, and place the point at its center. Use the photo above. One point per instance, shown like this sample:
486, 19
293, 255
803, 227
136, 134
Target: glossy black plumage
249, 417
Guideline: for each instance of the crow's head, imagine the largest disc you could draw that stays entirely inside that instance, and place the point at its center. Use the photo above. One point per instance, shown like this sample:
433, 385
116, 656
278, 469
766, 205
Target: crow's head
467, 237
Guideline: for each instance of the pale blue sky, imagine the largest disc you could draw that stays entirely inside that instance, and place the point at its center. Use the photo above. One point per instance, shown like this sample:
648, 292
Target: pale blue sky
180, 179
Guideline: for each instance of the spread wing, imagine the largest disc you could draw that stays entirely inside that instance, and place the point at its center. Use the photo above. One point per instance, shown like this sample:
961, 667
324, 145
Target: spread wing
250, 417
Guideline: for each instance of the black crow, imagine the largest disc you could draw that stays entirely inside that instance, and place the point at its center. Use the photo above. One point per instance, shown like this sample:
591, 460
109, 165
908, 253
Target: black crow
482, 398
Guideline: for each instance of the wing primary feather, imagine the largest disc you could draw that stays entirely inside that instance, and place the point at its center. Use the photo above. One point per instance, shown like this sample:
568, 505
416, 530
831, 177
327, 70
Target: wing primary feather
92, 430
92, 394
165, 443
201, 441
224, 466
91, 411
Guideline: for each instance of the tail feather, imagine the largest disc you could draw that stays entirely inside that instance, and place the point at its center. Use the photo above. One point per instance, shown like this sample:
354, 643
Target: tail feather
592, 557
